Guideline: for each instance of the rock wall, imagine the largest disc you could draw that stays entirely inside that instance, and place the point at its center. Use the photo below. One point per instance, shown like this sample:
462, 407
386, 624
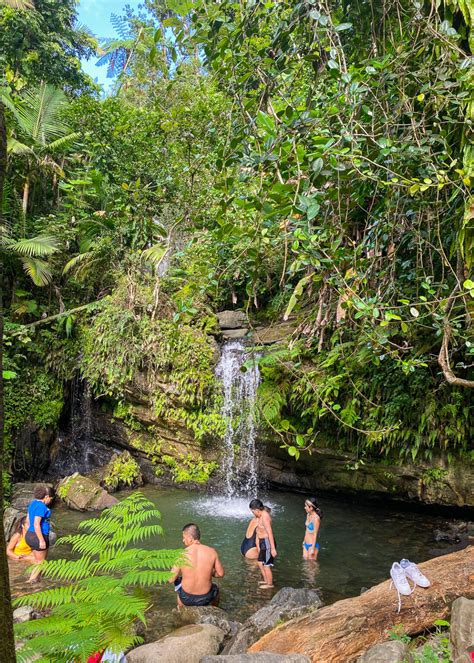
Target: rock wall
326, 469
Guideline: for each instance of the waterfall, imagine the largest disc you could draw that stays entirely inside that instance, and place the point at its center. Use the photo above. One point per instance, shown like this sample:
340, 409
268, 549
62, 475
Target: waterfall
239, 462
76, 449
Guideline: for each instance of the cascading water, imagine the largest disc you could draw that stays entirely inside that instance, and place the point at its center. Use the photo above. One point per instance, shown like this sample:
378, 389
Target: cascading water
240, 462
77, 450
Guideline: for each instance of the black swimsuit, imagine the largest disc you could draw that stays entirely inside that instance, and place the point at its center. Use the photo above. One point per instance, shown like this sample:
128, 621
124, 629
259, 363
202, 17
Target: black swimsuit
199, 599
249, 543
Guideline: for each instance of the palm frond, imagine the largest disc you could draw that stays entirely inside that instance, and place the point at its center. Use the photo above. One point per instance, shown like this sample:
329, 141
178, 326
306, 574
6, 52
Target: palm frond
18, 4
39, 113
42, 245
38, 271
64, 142
14, 146
155, 253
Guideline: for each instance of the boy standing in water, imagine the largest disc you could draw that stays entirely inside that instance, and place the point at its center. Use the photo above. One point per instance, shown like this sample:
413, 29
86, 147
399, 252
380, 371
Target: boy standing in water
265, 542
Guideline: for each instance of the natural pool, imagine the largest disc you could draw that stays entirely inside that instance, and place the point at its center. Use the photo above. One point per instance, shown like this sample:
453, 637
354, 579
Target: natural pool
358, 545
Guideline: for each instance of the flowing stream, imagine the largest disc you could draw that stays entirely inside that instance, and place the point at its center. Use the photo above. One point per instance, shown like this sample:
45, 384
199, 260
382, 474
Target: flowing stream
358, 545
240, 376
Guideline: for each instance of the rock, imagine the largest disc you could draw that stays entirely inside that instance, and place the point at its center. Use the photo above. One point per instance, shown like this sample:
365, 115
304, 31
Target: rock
280, 331
462, 625
231, 319
235, 333
393, 651
10, 518
83, 494
186, 645
261, 657
207, 615
287, 604
24, 614
22, 494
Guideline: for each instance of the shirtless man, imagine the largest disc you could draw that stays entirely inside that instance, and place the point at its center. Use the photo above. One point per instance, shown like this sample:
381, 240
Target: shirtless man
193, 580
265, 542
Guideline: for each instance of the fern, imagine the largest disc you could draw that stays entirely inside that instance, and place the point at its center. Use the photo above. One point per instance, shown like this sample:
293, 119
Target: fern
105, 594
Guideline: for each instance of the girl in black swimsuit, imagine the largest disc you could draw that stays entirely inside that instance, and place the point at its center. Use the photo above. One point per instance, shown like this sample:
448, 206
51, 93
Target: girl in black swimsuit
248, 548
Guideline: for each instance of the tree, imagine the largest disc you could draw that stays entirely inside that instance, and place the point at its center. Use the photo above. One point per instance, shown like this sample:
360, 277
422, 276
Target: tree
43, 133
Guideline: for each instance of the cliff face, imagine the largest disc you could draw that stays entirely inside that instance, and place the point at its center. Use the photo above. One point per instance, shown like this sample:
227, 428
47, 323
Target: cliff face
176, 442
436, 482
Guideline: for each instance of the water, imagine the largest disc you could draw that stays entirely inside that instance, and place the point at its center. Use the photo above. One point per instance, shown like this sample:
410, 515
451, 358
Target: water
240, 459
77, 451
358, 546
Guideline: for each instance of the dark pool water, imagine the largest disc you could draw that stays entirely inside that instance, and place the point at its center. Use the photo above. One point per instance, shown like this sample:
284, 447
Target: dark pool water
358, 545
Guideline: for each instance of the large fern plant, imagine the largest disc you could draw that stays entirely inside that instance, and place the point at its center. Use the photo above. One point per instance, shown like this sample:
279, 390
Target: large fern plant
105, 594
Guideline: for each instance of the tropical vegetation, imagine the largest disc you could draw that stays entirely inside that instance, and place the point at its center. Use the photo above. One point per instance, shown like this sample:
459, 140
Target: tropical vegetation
305, 162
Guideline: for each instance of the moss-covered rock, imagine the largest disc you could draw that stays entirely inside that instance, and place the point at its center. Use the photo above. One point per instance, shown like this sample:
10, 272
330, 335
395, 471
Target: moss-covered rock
84, 494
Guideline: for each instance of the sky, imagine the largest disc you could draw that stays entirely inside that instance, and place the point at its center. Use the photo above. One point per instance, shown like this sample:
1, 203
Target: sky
95, 14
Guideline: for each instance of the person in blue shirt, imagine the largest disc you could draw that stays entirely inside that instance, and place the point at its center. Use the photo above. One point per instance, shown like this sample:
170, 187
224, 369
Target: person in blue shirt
37, 535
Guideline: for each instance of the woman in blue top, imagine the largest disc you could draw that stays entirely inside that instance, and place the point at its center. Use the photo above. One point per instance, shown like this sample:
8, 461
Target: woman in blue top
37, 535
313, 519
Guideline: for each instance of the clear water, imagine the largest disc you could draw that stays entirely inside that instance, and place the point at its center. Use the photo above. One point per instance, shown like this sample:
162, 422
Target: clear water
358, 545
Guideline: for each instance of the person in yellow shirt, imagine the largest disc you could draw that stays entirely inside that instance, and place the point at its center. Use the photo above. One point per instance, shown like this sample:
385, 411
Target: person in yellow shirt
17, 548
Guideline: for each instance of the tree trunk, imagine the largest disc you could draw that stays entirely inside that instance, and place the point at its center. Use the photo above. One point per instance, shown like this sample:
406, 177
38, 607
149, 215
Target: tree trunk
26, 195
7, 640
341, 632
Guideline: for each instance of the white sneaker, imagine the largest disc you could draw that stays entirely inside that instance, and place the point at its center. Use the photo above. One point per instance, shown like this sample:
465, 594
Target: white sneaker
413, 572
400, 581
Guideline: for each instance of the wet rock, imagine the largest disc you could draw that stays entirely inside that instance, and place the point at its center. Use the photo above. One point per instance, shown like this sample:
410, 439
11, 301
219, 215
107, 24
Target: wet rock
235, 333
462, 626
287, 604
186, 645
207, 615
24, 614
83, 494
455, 532
260, 657
231, 319
393, 651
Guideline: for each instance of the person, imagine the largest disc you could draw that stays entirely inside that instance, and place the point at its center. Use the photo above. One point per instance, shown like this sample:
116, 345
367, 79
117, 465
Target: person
313, 520
193, 579
37, 535
265, 542
17, 548
248, 547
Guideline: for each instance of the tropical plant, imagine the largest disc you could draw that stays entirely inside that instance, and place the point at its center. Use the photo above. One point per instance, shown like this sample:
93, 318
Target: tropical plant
105, 594
43, 134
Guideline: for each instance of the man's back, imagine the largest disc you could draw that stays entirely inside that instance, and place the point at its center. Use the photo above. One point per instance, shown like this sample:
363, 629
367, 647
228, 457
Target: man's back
197, 577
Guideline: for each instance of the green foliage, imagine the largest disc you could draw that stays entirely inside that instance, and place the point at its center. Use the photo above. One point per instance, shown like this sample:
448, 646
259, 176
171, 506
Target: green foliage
188, 468
122, 471
105, 591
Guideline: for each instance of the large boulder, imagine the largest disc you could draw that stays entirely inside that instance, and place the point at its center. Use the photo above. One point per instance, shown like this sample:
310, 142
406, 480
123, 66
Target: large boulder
394, 651
186, 645
84, 494
232, 319
462, 626
287, 604
207, 615
261, 657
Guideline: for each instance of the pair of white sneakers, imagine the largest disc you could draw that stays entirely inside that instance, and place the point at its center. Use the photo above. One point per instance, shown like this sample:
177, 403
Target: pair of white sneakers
401, 573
